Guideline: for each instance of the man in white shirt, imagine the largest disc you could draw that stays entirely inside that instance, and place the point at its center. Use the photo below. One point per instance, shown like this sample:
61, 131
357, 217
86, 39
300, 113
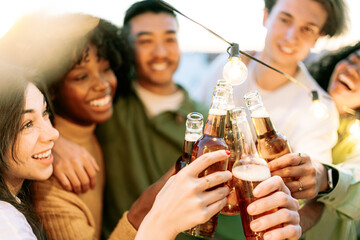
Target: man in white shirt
293, 27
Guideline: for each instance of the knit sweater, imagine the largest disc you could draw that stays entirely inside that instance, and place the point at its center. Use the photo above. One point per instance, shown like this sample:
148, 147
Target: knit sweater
67, 215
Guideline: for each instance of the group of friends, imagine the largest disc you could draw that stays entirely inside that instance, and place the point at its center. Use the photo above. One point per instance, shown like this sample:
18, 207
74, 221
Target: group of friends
92, 123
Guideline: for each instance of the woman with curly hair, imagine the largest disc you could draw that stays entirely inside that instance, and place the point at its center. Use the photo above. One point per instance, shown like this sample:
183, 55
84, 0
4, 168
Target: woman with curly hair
338, 72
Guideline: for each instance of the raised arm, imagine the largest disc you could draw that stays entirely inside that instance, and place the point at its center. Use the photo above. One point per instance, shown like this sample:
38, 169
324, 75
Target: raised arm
74, 167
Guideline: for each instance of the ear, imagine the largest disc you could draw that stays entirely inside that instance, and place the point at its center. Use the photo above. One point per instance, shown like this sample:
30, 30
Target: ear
266, 15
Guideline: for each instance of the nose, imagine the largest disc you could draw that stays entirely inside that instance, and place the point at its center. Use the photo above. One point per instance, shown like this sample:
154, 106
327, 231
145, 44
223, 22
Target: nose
291, 34
48, 133
160, 50
100, 83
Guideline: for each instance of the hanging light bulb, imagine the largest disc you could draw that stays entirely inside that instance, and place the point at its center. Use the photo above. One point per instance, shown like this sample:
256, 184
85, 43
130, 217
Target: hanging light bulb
235, 70
354, 128
318, 109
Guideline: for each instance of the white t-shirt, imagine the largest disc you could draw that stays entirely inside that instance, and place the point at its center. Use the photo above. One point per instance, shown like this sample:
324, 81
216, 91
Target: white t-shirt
289, 110
156, 104
13, 224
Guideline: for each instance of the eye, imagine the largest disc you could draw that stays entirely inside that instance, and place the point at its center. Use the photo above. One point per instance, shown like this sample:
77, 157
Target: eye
80, 77
284, 20
27, 125
46, 114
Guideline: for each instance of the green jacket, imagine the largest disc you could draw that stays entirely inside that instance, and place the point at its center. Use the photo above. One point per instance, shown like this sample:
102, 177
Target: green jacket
138, 151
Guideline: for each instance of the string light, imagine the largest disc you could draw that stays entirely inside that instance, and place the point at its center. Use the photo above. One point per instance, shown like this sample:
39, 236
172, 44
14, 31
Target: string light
354, 128
235, 71
318, 109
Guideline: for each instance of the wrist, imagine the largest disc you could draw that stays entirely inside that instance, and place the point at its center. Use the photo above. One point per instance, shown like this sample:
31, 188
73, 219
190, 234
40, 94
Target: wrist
331, 180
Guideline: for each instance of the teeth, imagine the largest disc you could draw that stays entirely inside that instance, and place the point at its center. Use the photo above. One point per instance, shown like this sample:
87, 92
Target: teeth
159, 66
42, 155
287, 50
345, 79
101, 101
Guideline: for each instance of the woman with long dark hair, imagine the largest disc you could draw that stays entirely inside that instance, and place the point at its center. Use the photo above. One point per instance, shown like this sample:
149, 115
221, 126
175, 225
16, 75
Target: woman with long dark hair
27, 138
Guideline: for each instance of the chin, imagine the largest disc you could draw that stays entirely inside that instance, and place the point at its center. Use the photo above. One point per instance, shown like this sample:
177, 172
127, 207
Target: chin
46, 173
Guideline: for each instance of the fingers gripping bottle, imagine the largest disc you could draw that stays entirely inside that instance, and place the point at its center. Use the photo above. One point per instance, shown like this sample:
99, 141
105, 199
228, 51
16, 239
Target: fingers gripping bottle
248, 171
270, 143
212, 140
194, 130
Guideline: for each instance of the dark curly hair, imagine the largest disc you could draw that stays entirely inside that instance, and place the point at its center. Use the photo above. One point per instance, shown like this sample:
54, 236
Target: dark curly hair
108, 40
323, 68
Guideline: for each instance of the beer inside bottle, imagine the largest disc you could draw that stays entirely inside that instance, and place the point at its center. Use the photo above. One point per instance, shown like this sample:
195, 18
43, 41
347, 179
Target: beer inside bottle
194, 130
269, 143
212, 140
248, 171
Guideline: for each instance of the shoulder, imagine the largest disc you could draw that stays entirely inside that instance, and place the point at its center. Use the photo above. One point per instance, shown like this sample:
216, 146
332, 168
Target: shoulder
13, 223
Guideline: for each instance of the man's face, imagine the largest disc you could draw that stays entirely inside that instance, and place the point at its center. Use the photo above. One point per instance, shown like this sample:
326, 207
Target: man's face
156, 47
293, 27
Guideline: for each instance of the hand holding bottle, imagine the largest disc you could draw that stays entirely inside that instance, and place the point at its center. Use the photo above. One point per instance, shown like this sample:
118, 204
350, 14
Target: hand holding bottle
308, 177
183, 202
272, 194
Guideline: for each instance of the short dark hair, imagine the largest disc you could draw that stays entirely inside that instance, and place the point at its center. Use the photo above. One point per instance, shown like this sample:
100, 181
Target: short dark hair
337, 17
136, 9
141, 7
323, 68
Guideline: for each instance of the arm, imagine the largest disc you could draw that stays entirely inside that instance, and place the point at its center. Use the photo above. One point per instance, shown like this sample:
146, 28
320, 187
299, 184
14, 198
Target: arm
166, 219
273, 194
74, 167
144, 203
344, 199
62, 213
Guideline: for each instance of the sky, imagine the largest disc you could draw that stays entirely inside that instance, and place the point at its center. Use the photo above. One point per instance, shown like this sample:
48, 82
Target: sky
237, 21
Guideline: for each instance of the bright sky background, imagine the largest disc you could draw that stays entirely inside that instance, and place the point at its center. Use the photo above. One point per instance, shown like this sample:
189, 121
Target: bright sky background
237, 21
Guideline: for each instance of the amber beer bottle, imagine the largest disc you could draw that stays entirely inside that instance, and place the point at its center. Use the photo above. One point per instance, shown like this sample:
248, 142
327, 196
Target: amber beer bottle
248, 171
212, 140
232, 207
270, 143
194, 130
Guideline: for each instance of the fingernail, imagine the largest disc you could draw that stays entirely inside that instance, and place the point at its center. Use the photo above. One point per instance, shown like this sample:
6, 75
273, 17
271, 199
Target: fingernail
227, 152
255, 225
267, 236
256, 191
251, 208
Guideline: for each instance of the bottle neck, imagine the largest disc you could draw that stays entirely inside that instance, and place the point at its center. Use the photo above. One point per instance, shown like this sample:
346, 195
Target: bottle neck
215, 125
243, 135
263, 126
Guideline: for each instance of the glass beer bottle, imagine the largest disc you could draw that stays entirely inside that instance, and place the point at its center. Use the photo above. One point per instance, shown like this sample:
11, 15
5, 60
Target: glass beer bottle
194, 130
270, 143
232, 207
248, 171
212, 140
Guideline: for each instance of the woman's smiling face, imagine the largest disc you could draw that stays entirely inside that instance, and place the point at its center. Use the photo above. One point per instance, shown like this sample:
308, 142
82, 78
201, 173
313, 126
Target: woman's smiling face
344, 84
85, 95
33, 158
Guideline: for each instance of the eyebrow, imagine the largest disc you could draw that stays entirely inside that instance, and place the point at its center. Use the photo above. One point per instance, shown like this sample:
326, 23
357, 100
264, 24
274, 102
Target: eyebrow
290, 16
32, 110
150, 33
